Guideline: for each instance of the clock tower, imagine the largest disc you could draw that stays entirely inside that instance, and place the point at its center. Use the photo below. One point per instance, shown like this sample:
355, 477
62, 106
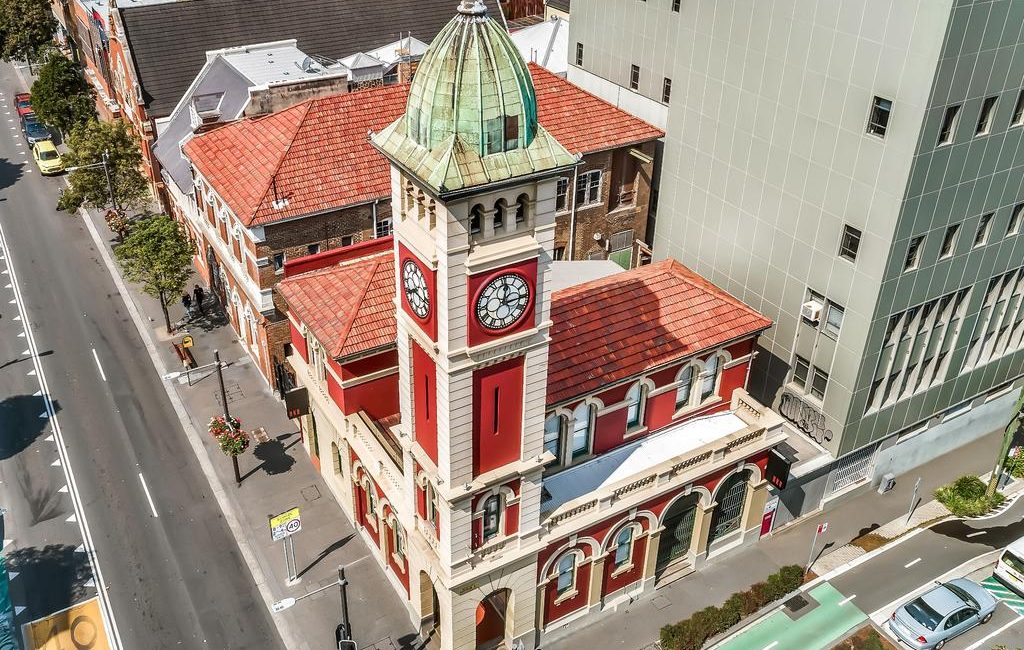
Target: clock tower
473, 178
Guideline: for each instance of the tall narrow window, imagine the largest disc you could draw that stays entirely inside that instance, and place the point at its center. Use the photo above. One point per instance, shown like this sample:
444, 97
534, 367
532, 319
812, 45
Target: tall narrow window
988, 110
499, 214
522, 203
579, 53
278, 262
581, 431
666, 90
566, 579
511, 132
623, 547
493, 135
684, 388
712, 370
913, 258
553, 437
849, 244
878, 122
588, 188
497, 401
634, 77
492, 516
949, 121
1016, 214
819, 382
675, 5
834, 319
1018, 111
981, 236
475, 219
949, 241
561, 194
800, 369
634, 406
431, 503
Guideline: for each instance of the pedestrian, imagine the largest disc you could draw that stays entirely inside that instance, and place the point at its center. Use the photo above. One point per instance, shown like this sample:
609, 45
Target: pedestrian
198, 294
186, 300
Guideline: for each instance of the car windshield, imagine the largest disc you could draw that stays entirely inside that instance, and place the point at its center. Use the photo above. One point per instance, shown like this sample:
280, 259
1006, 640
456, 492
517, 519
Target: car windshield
962, 595
923, 614
48, 155
1014, 562
35, 128
23, 103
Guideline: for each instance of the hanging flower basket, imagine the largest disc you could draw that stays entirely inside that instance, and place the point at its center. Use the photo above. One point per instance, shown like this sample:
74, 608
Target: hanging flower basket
233, 443
218, 426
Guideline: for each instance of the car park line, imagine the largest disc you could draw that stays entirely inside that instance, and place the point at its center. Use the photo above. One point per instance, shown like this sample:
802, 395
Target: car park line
983, 642
911, 563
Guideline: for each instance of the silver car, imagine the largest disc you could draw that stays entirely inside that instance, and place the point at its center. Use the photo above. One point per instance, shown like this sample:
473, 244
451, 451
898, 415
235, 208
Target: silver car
947, 610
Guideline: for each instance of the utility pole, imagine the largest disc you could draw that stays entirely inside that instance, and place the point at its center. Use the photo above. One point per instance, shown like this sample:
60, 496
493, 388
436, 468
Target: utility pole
344, 631
1014, 425
227, 415
110, 186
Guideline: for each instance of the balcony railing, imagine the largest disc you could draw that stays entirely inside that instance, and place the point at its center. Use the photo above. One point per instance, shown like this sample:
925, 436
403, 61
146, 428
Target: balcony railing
382, 432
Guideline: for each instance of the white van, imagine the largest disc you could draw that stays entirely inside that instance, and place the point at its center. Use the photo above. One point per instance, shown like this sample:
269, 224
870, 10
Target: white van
1010, 567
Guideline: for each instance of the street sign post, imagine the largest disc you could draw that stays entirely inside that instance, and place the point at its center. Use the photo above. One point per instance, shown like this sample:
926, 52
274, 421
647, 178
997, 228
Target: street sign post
822, 527
282, 527
913, 500
186, 341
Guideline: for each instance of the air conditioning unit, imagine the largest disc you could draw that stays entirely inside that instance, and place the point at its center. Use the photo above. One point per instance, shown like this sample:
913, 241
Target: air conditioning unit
811, 310
887, 483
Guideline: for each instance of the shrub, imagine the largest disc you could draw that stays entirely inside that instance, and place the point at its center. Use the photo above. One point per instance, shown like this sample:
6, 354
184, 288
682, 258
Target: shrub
693, 632
965, 497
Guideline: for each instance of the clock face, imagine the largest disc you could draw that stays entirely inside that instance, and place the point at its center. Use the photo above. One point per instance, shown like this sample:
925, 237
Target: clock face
503, 301
415, 289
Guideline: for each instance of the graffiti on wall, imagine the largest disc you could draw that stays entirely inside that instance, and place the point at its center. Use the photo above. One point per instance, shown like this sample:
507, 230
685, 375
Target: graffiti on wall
805, 417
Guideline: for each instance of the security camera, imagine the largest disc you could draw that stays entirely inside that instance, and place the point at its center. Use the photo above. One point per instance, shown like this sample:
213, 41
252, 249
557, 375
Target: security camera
597, 236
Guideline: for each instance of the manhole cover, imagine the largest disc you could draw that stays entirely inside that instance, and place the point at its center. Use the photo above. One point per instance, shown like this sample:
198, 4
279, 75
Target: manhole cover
660, 602
312, 493
796, 603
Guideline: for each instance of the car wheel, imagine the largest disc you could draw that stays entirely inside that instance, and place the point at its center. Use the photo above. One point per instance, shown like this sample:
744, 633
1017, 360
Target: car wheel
940, 644
986, 618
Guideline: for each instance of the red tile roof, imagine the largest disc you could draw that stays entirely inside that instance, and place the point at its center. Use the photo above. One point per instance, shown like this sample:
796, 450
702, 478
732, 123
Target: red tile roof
317, 155
604, 331
349, 307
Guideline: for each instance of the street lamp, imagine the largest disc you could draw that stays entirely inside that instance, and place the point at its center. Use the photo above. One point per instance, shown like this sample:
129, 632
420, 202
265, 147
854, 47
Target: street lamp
106, 171
343, 633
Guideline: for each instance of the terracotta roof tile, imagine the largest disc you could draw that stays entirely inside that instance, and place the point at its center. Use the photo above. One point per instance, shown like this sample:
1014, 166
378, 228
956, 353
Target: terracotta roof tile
317, 156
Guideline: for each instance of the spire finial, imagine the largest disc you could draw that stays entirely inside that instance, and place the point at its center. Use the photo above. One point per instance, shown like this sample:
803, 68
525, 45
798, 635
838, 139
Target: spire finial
472, 8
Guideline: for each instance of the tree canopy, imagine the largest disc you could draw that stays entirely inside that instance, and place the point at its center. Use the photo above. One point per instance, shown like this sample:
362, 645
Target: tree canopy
26, 28
88, 186
61, 97
157, 255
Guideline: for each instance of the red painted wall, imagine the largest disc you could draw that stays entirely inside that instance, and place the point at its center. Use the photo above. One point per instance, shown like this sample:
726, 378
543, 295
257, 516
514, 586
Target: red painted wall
400, 569
299, 342
379, 398
477, 334
609, 430
366, 365
336, 255
424, 392
498, 410
611, 584
429, 323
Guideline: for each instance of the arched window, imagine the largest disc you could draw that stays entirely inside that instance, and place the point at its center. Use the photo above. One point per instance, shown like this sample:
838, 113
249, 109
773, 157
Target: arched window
623, 547
729, 499
432, 213
634, 406
336, 456
371, 501
566, 574
397, 540
492, 516
521, 206
712, 371
476, 216
431, 498
553, 437
499, 214
581, 431
685, 387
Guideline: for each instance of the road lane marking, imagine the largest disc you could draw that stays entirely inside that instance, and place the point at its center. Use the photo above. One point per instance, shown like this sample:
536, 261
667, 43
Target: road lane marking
771, 645
846, 600
980, 532
100, 366
149, 497
62, 451
911, 563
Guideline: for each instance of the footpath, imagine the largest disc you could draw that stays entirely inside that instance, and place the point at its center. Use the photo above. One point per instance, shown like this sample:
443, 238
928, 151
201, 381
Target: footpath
277, 476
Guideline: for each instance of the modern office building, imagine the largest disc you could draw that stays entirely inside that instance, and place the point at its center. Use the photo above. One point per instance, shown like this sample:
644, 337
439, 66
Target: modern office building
854, 170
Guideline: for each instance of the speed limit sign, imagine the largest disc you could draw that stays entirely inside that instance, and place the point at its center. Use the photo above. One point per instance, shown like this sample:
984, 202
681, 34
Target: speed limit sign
285, 524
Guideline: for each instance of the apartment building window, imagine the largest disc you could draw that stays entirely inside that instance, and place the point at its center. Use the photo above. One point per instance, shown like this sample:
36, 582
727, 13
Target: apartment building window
492, 516
312, 249
634, 77
558, 254
981, 236
347, 240
988, 110
278, 262
581, 431
675, 5
1018, 111
879, 119
561, 192
819, 382
579, 53
949, 241
849, 243
834, 319
588, 188
949, 121
801, 367
476, 218
1013, 227
382, 227
913, 258
666, 90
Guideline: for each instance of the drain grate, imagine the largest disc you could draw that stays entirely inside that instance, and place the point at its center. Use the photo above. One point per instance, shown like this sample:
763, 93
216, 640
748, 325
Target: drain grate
796, 603
311, 493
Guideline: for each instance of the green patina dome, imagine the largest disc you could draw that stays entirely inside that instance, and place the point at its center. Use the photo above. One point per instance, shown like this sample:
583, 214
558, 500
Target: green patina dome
473, 81
471, 117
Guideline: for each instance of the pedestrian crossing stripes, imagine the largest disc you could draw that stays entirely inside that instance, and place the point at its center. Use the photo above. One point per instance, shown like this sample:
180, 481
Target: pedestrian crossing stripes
1005, 594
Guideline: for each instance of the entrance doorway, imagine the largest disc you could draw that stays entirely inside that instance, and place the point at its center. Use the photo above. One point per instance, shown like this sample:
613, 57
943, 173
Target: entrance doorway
492, 621
216, 282
430, 612
677, 534
730, 497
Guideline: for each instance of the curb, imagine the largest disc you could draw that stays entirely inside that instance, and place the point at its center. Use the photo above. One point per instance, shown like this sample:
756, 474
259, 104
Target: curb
284, 628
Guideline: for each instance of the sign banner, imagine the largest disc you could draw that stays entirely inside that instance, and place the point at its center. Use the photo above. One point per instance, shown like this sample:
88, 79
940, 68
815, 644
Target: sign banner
285, 524
79, 627
296, 402
777, 472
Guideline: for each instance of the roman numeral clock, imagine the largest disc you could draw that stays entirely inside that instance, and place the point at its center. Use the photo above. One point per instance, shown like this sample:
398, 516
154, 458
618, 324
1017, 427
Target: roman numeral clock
503, 301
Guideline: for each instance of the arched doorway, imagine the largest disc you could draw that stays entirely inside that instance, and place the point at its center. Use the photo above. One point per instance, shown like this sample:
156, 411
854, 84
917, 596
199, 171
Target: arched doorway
674, 543
430, 610
729, 509
216, 282
491, 620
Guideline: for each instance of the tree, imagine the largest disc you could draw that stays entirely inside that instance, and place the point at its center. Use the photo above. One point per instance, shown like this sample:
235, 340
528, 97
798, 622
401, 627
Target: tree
26, 28
61, 96
1013, 428
157, 254
88, 145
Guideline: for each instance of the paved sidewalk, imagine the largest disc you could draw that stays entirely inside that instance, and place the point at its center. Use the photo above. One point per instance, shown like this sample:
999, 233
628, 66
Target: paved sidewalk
277, 475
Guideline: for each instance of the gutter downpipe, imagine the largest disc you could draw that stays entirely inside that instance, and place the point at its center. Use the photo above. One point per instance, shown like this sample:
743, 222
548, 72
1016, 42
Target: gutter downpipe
571, 191
374, 209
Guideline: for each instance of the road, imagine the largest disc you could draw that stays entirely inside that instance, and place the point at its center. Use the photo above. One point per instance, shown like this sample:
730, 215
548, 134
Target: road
104, 494
874, 588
